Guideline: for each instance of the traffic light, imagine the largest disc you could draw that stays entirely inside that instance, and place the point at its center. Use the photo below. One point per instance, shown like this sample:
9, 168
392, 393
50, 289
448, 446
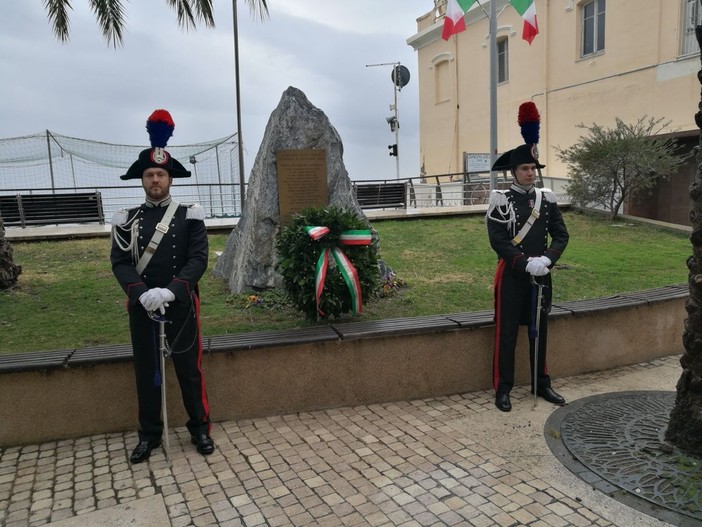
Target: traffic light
393, 150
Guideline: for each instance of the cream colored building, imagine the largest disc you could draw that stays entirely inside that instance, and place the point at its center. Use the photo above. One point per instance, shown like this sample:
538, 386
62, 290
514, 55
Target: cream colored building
592, 61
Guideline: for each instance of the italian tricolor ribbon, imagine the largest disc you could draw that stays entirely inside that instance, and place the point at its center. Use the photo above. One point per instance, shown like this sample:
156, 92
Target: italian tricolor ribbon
346, 268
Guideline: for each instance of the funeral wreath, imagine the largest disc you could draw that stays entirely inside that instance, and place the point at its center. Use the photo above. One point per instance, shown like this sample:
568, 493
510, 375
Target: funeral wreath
328, 260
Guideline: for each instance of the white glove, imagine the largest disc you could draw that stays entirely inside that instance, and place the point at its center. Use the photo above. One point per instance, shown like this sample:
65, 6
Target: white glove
149, 300
546, 260
157, 298
536, 267
164, 295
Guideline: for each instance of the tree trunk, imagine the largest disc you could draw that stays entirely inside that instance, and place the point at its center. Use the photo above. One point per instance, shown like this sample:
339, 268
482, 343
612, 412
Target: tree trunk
685, 424
8, 270
615, 208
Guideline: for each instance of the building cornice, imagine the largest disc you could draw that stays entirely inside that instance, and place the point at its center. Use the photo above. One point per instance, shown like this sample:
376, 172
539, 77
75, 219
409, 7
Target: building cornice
433, 33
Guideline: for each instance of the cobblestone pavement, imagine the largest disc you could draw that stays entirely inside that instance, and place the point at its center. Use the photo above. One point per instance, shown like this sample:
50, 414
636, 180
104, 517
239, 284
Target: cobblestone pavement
452, 460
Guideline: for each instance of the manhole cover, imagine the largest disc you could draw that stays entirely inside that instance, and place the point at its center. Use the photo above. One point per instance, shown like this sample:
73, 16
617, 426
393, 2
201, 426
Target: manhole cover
618, 439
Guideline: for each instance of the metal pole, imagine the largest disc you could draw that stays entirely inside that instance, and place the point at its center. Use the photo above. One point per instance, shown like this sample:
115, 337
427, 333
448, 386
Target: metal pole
73, 170
219, 178
193, 161
395, 78
240, 141
493, 92
397, 125
51, 165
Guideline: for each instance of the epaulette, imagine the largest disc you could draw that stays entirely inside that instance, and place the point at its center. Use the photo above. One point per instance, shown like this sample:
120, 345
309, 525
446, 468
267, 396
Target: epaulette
549, 195
120, 217
498, 198
194, 212
499, 208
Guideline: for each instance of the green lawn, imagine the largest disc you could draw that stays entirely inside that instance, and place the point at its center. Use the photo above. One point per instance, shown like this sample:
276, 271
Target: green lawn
68, 298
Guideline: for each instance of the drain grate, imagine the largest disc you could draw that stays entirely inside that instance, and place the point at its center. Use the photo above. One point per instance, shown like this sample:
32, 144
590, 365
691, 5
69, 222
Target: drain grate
618, 438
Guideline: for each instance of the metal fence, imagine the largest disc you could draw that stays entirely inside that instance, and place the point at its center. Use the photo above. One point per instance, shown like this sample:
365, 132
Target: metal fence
219, 201
461, 189
51, 163
224, 200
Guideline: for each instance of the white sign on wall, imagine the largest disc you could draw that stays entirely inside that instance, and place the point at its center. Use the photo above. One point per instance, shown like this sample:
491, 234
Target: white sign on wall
477, 162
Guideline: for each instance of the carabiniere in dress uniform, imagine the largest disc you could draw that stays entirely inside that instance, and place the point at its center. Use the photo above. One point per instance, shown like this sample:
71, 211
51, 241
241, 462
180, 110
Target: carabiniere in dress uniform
159, 253
527, 231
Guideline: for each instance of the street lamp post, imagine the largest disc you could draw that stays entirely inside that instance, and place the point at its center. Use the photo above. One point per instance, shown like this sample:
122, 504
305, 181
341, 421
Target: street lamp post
397, 129
400, 77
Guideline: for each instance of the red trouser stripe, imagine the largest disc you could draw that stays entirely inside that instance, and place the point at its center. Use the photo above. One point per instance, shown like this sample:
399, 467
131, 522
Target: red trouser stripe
203, 393
498, 295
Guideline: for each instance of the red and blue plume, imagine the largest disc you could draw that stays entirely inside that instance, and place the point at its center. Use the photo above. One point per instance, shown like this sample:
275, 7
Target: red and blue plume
160, 126
529, 121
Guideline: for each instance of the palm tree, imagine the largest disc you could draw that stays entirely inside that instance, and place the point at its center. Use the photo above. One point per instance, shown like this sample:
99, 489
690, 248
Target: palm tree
110, 15
685, 424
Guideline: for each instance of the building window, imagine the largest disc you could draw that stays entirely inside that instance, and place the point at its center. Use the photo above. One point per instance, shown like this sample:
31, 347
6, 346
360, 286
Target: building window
593, 30
690, 18
502, 60
442, 81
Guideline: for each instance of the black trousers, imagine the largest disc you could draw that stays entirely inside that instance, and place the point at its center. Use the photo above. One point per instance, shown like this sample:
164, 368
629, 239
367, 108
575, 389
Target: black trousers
515, 305
183, 335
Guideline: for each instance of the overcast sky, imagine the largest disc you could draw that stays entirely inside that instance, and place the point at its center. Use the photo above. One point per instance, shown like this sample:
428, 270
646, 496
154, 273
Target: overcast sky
87, 89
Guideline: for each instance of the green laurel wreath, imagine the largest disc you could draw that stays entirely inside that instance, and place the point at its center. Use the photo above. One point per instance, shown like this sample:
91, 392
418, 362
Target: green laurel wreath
298, 255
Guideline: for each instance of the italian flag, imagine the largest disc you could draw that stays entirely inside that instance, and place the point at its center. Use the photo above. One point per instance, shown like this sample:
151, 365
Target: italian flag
453, 20
527, 10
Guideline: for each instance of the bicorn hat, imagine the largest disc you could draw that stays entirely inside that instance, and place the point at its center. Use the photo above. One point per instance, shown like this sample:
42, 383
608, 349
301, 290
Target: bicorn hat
518, 156
529, 122
160, 127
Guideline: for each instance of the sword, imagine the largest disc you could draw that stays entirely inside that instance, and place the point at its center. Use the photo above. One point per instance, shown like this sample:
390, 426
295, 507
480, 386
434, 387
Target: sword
163, 352
539, 289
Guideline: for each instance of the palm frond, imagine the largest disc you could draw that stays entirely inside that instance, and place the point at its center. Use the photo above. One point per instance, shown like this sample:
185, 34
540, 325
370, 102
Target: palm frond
189, 14
258, 7
110, 18
57, 11
110, 15
203, 8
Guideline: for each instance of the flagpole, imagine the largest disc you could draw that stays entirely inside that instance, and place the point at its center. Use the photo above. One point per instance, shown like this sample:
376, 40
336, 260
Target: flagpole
493, 92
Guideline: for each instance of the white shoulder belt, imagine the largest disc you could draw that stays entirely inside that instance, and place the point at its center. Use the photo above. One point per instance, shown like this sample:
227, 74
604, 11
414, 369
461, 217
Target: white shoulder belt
530, 221
161, 229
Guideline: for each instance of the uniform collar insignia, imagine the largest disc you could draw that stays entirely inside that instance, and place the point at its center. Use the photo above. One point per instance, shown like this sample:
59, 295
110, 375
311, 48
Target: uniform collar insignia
156, 204
521, 189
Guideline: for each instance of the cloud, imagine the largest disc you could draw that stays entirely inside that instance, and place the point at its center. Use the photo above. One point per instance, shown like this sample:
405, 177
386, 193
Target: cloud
89, 90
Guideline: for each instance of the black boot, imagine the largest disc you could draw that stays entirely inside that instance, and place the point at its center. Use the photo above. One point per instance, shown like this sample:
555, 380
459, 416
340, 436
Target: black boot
502, 402
143, 450
551, 396
203, 443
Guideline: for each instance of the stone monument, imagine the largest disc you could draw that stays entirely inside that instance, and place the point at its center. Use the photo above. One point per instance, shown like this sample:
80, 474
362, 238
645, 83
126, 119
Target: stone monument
249, 257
